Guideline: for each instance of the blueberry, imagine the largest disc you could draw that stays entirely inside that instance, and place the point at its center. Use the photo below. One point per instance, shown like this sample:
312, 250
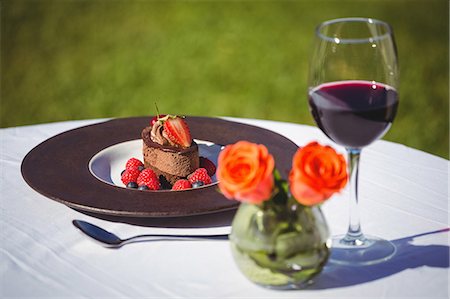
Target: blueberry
140, 168
197, 184
132, 185
143, 187
122, 172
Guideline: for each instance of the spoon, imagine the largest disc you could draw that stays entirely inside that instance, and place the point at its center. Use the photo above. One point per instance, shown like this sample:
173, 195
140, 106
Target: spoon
111, 240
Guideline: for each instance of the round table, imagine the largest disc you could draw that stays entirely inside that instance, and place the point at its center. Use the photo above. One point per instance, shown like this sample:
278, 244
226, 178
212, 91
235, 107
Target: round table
403, 198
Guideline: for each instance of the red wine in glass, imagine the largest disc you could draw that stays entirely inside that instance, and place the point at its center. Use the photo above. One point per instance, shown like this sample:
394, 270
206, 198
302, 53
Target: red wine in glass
353, 113
353, 98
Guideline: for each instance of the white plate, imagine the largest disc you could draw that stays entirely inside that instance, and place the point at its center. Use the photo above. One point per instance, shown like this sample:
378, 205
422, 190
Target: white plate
108, 164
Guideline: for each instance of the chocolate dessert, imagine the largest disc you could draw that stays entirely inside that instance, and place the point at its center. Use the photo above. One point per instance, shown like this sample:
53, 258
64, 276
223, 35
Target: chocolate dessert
169, 150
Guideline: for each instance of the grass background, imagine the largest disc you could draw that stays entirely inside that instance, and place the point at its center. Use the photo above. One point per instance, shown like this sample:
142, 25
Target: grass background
66, 59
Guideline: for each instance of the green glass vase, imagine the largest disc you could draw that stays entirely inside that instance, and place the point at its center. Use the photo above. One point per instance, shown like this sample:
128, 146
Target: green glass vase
280, 244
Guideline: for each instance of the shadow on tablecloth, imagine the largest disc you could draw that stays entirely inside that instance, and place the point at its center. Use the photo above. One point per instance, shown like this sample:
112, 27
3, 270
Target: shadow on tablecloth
408, 256
218, 219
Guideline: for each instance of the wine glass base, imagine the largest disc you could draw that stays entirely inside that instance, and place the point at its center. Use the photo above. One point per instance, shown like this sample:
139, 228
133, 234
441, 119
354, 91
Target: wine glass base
369, 250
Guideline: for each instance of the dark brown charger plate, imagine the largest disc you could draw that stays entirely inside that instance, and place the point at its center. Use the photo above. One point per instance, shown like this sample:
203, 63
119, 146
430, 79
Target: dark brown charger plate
58, 169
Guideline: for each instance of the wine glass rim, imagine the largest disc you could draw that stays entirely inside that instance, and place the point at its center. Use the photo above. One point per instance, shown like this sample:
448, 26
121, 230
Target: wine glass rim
386, 34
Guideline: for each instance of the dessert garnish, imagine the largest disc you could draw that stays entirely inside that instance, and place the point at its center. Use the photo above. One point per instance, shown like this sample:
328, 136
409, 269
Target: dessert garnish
171, 130
148, 180
182, 185
200, 174
134, 163
135, 176
129, 177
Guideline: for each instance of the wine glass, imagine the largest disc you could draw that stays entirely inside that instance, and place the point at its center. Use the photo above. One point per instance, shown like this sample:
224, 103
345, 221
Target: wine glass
353, 99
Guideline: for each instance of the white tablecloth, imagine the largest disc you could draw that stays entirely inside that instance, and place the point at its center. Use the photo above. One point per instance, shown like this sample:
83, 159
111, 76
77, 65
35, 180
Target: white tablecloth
404, 198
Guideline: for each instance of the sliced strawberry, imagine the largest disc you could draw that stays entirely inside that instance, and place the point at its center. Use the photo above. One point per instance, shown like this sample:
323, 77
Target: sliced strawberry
177, 131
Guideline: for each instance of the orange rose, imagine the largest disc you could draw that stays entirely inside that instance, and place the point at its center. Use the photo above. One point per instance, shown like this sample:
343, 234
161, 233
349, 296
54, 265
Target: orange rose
317, 173
245, 172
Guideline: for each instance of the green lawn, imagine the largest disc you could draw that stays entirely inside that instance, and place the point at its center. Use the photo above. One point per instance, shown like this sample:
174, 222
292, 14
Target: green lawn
67, 59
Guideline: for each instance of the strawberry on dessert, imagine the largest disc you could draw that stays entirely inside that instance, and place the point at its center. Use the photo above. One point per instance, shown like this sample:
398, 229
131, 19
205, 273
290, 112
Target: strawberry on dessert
168, 149
171, 130
177, 132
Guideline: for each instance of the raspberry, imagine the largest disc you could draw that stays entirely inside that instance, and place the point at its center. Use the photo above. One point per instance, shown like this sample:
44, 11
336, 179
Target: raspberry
148, 178
133, 163
208, 165
182, 185
153, 184
200, 174
146, 173
130, 175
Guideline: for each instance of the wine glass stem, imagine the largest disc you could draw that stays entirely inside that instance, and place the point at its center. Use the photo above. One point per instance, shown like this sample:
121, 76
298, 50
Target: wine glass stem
354, 236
